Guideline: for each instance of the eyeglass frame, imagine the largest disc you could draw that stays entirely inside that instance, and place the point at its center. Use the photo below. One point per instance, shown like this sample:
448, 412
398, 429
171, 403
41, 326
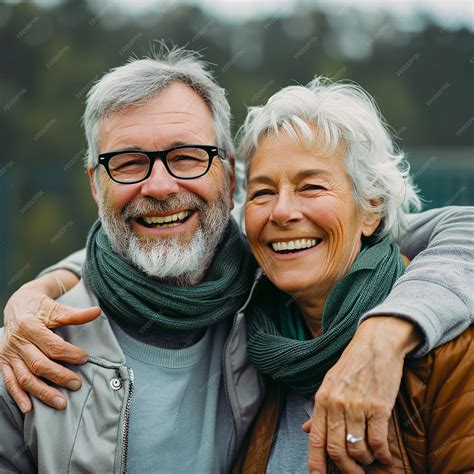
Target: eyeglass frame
212, 152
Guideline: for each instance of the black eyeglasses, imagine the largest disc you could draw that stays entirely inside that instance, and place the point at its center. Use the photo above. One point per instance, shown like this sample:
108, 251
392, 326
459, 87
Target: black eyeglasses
182, 162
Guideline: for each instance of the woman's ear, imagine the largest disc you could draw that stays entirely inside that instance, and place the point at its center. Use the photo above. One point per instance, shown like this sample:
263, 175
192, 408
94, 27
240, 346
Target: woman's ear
371, 219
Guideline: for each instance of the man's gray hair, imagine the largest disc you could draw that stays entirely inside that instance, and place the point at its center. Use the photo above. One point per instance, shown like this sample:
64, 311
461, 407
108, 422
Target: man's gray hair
140, 80
341, 113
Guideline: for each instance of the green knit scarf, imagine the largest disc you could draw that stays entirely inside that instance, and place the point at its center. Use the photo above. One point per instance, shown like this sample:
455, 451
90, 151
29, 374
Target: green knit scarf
137, 301
280, 347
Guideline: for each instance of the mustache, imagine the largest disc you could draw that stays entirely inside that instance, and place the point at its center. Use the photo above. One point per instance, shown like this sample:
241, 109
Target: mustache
149, 205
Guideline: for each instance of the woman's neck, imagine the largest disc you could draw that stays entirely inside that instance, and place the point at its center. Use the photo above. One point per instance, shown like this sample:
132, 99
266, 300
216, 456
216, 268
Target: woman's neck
312, 311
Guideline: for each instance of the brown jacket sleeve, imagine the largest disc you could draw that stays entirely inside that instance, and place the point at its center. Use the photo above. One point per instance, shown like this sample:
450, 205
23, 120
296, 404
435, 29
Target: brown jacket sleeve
437, 406
432, 427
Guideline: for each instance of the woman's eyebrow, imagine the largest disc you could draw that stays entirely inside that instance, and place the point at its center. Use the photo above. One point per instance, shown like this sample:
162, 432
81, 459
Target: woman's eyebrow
265, 179
313, 172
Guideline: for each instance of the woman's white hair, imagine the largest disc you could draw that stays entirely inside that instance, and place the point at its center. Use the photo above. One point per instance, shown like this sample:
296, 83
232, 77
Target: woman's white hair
341, 112
140, 80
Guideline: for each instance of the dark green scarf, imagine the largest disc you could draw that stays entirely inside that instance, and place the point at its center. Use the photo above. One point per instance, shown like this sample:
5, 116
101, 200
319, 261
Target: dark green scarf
279, 345
136, 301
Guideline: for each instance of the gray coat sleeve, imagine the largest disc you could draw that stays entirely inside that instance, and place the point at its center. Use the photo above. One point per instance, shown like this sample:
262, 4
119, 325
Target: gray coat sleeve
73, 263
15, 455
436, 292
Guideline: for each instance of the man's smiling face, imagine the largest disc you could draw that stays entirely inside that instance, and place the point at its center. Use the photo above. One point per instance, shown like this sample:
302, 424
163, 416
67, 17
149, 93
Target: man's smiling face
167, 227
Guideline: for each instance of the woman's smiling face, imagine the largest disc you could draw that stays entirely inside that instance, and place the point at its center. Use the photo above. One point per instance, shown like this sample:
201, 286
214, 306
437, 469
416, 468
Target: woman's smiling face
302, 223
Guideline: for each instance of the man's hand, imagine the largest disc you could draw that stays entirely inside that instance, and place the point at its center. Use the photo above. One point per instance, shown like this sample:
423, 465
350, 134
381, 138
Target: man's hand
357, 396
28, 344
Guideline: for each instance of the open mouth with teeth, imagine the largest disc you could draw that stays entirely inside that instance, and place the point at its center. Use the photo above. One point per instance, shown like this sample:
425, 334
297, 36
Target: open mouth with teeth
162, 222
293, 246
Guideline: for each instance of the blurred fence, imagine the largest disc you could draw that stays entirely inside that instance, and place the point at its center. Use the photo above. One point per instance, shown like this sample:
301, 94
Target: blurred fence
444, 176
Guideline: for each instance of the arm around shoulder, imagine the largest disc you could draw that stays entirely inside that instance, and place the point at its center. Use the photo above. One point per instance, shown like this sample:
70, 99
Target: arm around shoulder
435, 293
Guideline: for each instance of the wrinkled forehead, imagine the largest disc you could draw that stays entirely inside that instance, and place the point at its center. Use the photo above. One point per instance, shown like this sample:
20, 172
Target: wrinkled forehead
177, 114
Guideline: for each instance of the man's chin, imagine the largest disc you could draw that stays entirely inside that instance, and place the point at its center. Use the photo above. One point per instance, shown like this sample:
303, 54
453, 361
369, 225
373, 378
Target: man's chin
169, 260
178, 253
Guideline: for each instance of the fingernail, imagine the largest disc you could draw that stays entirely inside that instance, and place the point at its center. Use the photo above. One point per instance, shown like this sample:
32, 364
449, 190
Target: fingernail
73, 385
84, 360
59, 402
23, 407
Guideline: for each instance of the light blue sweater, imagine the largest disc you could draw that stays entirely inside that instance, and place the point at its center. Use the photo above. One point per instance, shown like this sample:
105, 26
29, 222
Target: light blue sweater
179, 414
290, 449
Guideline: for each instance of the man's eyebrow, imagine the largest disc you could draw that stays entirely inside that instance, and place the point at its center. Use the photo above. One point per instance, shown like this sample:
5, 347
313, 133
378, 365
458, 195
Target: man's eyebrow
139, 148
264, 179
128, 148
180, 143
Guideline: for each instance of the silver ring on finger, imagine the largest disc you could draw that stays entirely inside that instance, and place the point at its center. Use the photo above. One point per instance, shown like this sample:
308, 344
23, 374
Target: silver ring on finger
350, 438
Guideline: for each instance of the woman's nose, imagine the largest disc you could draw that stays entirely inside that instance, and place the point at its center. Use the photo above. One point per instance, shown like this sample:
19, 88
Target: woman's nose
286, 209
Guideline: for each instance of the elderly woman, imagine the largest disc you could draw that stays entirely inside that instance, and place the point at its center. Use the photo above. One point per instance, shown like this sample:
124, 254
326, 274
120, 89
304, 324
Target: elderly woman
326, 202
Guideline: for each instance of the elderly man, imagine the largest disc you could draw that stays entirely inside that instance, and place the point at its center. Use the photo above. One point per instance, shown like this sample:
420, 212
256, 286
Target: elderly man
167, 386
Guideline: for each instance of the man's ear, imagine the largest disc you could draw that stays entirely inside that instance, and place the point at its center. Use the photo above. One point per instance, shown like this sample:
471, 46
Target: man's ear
233, 180
90, 172
371, 220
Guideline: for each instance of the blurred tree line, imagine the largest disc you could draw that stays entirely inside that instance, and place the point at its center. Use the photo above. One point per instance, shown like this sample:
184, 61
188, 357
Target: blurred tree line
421, 77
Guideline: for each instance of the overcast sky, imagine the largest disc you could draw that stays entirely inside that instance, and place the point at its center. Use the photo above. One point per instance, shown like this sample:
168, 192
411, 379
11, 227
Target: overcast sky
448, 12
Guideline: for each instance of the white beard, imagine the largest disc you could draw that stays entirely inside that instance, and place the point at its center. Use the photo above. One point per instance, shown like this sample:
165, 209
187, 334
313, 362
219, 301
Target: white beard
168, 259
171, 260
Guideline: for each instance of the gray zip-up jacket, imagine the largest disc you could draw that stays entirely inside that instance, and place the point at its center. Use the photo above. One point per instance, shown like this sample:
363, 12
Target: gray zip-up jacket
91, 434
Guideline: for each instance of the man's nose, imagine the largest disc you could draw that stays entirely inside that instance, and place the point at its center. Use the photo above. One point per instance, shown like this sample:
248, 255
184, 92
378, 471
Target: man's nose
160, 184
286, 209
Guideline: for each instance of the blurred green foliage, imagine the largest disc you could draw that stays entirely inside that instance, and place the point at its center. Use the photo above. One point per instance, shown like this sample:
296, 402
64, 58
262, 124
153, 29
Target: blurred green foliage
422, 81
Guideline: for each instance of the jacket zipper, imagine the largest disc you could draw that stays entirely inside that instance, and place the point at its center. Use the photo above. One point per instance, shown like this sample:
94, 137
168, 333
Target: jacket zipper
224, 378
126, 422
258, 275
